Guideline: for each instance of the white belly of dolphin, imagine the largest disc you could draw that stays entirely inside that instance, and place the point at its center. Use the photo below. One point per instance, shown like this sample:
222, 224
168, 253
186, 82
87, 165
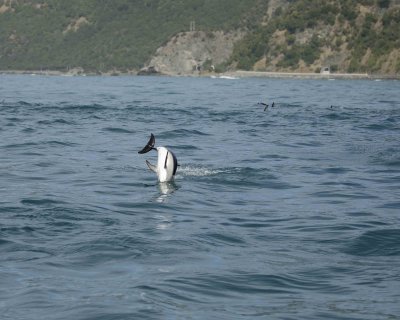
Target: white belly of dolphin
166, 165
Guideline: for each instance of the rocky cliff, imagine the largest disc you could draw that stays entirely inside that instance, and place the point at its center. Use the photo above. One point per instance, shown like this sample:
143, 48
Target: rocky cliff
193, 52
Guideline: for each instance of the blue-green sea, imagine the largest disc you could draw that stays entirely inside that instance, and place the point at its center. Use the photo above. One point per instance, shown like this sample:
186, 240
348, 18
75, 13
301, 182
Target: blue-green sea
288, 213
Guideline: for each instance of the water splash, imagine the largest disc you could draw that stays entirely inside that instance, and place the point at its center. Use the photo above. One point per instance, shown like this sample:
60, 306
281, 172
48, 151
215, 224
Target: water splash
197, 171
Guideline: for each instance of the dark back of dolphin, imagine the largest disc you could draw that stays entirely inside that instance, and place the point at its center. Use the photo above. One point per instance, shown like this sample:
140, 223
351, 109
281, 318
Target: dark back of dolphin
175, 163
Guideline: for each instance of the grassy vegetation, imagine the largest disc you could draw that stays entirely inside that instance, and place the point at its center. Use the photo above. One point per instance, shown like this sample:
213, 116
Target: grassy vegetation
374, 34
119, 34
379, 42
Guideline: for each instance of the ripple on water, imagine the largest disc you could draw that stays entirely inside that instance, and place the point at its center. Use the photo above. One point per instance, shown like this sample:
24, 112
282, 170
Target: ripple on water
181, 133
385, 242
41, 202
118, 130
239, 284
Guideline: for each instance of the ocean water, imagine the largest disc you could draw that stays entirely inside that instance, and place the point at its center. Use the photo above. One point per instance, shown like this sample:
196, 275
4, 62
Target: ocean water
288, 213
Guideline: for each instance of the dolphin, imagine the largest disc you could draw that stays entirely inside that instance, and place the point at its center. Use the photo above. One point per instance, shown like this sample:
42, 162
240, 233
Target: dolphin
166, 163
264, 104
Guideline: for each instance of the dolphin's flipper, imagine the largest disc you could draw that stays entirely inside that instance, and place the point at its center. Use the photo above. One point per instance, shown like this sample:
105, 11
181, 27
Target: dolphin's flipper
151, 167
149, 146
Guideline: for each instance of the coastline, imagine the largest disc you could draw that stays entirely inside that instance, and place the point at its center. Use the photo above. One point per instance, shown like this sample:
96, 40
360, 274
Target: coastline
229, 74
304, 75
301, 75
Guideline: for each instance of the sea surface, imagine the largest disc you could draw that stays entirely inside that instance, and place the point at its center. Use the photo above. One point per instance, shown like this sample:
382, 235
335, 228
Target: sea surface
288, 213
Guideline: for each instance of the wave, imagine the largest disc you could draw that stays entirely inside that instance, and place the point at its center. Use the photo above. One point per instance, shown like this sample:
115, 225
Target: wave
222, 239
225, 77
182, 133
28, 130
337, 116
184, 147
83, 107
25, 145
60, 143
384, 242
237, 284
22, 103
391, 205
55, 121
377, 127
117, 130
14, 119
389, 157
41, 202
20, 145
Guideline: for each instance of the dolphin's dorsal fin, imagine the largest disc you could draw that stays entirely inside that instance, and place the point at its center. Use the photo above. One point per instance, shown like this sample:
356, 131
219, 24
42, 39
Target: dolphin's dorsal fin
149, 146
151, 167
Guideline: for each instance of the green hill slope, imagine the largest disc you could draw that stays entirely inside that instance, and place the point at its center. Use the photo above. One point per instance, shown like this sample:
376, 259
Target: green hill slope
101, 35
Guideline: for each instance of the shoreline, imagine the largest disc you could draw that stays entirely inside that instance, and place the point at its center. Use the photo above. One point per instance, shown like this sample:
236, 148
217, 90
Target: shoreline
232, 74
300, 75
305, 75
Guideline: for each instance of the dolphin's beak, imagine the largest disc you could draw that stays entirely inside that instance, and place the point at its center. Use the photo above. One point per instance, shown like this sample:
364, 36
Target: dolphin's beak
149, 146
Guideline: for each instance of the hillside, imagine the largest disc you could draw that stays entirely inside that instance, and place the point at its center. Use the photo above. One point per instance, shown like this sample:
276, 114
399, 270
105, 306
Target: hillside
104, 35
305, 35
125, 35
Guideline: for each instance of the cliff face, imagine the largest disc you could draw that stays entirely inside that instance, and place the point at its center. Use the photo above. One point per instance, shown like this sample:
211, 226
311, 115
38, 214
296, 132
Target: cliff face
191, 52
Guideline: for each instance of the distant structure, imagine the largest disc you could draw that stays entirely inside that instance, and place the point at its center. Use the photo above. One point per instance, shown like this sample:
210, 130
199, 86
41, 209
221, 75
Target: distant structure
325, 70
192, 25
